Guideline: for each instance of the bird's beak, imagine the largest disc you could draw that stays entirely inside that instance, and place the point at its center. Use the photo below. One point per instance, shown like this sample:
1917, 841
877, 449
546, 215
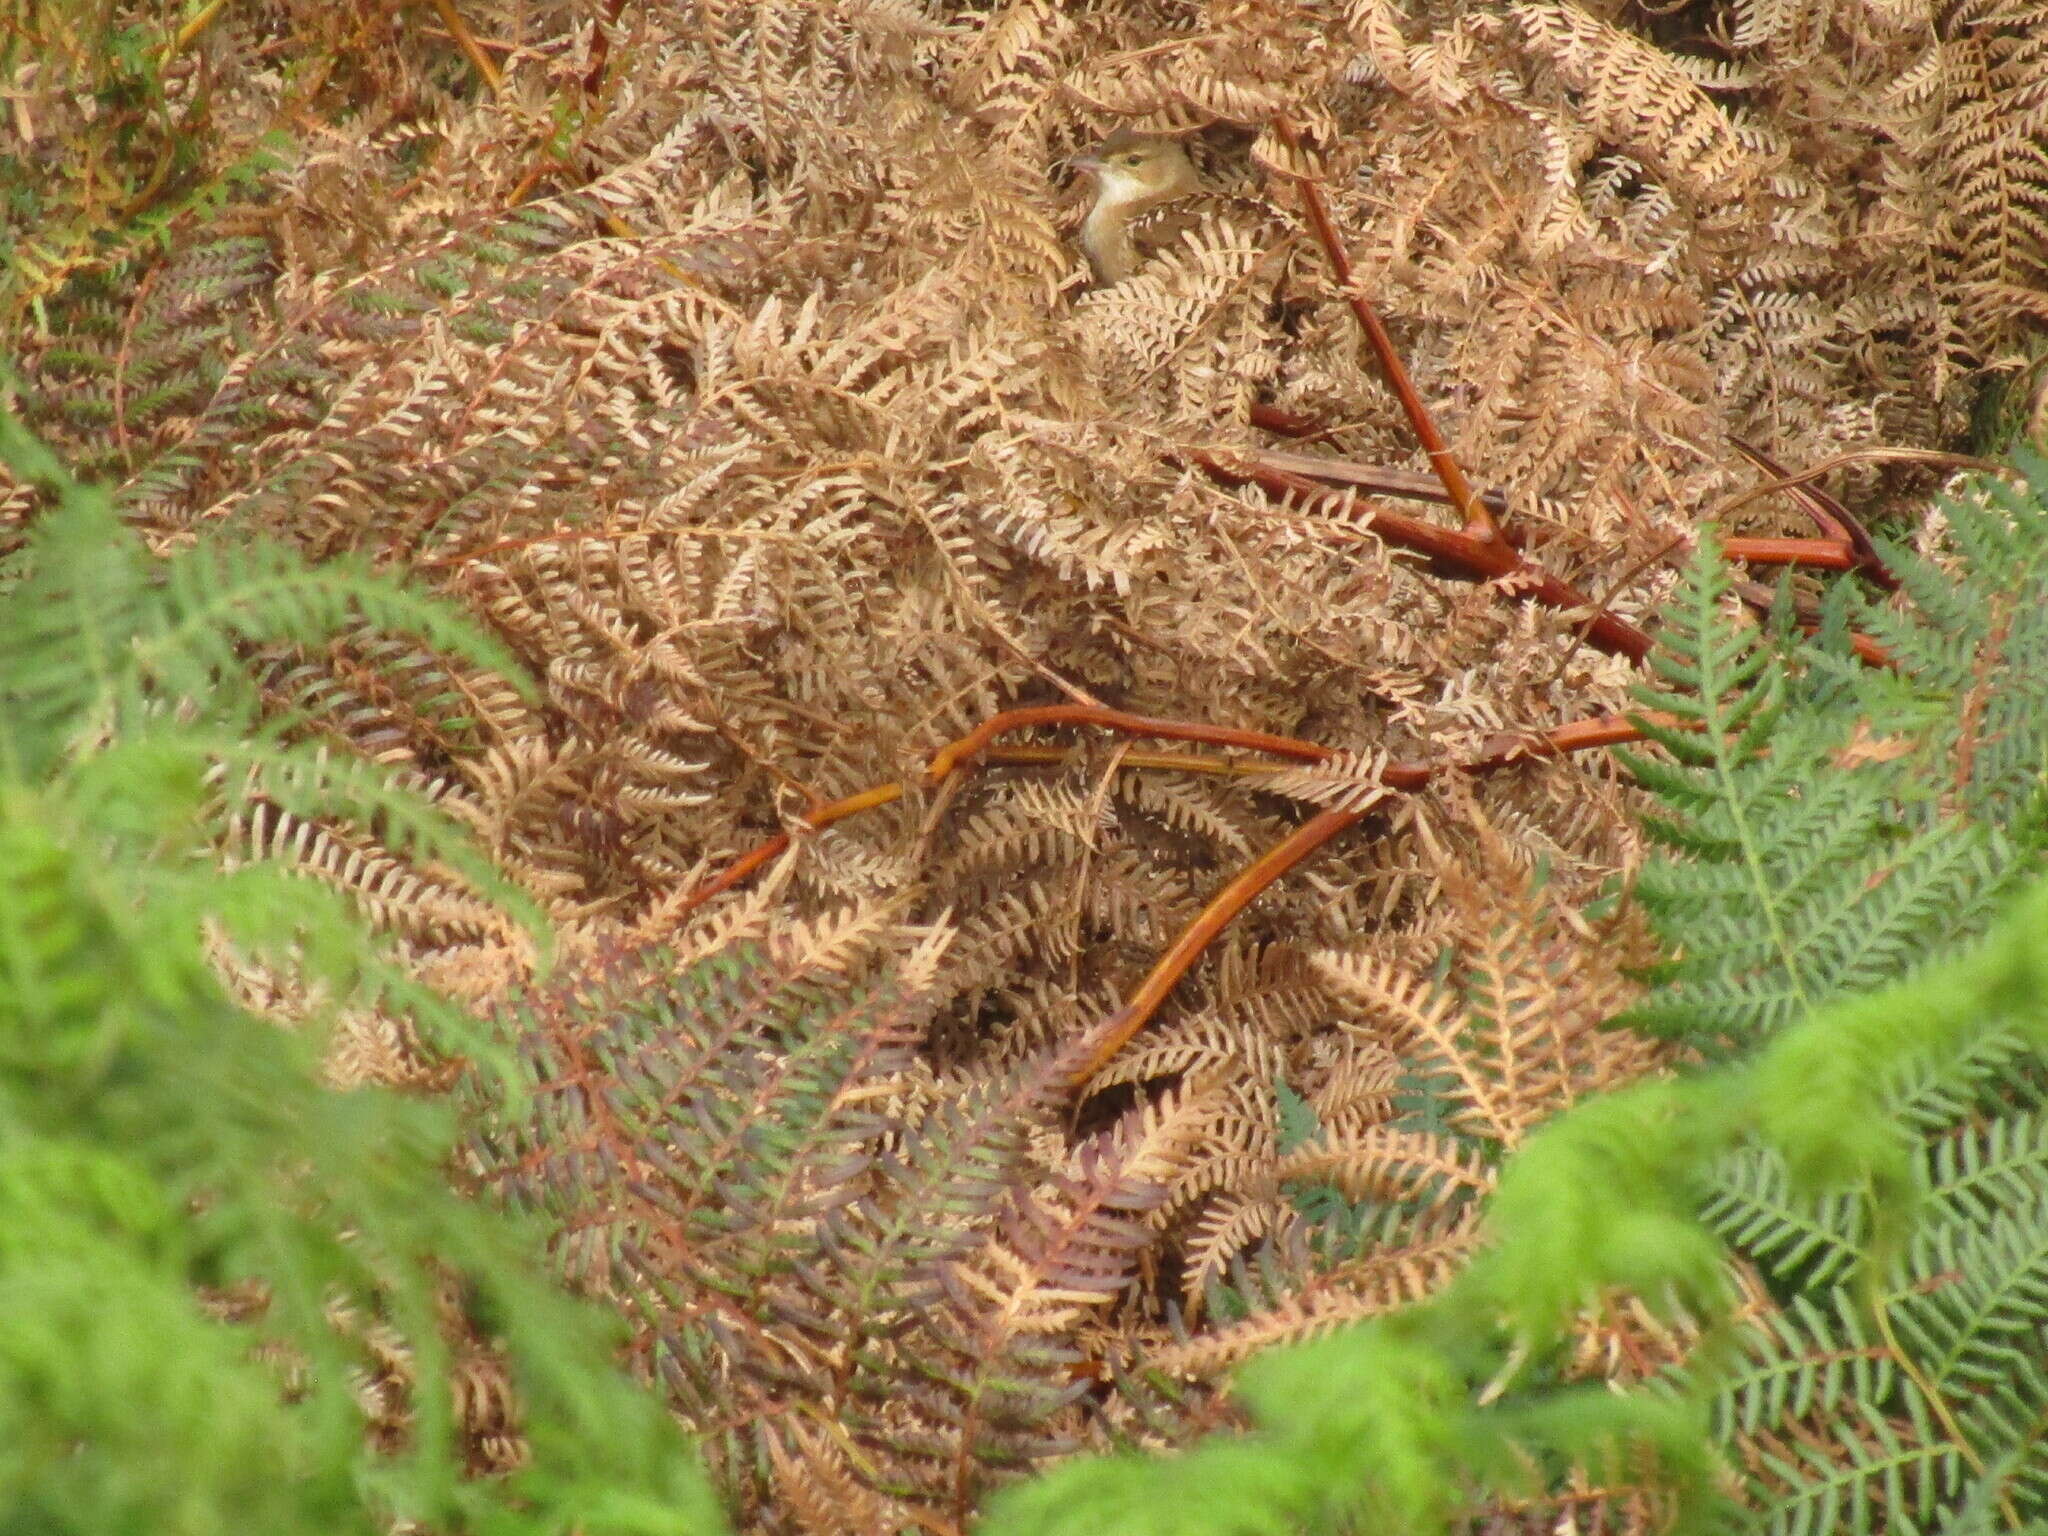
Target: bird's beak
1092, 164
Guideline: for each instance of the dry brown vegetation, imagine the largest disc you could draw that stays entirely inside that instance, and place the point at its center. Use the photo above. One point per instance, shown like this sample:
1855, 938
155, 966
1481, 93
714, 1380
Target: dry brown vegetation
735, 362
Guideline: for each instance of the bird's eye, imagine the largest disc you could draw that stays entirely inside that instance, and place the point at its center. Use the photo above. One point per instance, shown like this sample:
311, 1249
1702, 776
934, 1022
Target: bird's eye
1130, 159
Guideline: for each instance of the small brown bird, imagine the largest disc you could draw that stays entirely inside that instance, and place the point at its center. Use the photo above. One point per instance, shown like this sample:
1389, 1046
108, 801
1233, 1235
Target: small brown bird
1141, 179
1198, 343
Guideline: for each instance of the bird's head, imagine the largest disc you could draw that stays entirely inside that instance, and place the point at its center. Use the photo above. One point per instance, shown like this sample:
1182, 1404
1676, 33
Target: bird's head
1138, 168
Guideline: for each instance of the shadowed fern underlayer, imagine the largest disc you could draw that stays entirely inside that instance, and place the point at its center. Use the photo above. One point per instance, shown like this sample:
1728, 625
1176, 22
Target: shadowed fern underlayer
836, 1264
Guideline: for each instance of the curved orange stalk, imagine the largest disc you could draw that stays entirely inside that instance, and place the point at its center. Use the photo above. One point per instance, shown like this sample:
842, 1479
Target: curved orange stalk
954, 754
1286, 423
852, 805
1115, 1032
1176, 762
819, 817
1573, 736
1835, 520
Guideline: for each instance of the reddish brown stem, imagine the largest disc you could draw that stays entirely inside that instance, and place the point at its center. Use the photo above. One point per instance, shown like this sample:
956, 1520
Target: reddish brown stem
1451, 550
466, 40
1765, 602
1115, 1031
1408, 484
1285, 423
955, 754
1479, 524
1834, 520
960, 754
601, 50
1573, 736
1814, 554
1178, 762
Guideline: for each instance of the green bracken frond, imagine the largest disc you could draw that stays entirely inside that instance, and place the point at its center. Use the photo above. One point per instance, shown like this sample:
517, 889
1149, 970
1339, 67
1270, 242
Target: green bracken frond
1831, 824
169, 1161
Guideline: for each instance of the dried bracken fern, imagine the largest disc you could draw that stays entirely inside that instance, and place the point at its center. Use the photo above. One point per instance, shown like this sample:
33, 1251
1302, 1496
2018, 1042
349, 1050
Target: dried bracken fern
731, 361
835, 1261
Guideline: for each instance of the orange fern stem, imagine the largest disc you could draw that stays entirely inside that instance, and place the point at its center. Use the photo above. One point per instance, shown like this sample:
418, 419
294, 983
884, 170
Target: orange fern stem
1285, 423
955, 754
814, 820
1479, 523
977, 746
1378, 480
1116, 1031
1172, 762
466, 41
601, 50
1812, 554
1834, 520
1573, 736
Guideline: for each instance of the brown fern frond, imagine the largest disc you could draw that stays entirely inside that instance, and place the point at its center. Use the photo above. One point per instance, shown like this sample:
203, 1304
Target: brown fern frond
923, 648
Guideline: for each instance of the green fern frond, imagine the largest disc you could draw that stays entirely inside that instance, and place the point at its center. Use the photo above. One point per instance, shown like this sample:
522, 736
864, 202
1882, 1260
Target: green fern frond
1754, 1208
165, 1154
1831, 826
1803, 1364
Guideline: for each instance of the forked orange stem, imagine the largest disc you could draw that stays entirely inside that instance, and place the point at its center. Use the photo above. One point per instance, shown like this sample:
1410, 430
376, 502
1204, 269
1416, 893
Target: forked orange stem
1454, 550
978, 744
1479, 522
